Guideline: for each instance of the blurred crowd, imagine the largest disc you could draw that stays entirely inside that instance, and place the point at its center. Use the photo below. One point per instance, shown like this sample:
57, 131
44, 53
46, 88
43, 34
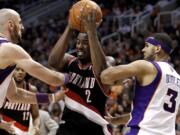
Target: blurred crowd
39, 39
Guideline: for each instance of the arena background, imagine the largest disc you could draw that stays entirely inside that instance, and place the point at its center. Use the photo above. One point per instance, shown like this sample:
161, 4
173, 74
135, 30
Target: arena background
125, 25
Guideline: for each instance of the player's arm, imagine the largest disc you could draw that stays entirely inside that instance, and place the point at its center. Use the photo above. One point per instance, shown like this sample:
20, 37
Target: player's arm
97, 55
121, 120
58, 59
19, 95
17, 55
35, 113
139, 69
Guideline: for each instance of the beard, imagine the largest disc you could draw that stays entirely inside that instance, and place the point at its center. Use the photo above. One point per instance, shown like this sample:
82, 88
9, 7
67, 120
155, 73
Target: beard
15, 36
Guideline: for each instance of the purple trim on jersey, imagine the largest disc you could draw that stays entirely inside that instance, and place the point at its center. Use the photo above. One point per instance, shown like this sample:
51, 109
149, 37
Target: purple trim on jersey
142, 98
5, 72
3, 41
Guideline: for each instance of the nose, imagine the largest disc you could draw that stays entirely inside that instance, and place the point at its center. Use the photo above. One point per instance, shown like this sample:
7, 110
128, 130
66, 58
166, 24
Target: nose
143, 50
80, 45
22, 28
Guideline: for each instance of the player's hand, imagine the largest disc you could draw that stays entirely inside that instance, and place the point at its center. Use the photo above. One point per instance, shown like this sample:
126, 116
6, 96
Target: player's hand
110, 119
89, 21
37, 131
8, 126
60, 94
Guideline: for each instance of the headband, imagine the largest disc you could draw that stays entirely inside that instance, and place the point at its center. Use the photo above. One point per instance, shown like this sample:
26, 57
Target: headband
155, 42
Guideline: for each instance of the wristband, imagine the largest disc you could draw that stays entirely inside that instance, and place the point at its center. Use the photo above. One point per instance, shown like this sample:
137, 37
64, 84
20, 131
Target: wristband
42, 98
66, 79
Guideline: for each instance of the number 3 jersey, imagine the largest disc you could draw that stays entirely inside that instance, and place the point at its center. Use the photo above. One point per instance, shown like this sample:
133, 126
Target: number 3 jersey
86, 95
155, 105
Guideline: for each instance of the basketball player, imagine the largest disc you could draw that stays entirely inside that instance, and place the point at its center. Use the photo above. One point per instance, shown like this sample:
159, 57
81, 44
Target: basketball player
19, 112
12, 55
86, 98
156, 100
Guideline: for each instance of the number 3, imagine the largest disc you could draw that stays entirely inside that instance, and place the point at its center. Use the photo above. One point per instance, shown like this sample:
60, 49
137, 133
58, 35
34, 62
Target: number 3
171, 107
88, 93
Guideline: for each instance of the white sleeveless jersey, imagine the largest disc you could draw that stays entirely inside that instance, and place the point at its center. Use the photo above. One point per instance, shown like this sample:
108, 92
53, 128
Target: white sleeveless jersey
155, 106
5, 77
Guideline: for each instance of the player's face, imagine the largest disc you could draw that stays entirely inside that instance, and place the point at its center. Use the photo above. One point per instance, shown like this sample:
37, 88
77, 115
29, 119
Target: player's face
149, 51
82, 46
17, 29
19, 74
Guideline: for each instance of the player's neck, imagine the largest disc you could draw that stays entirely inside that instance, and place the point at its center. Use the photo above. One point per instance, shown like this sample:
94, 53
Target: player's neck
165, 58
5, 35
20, 84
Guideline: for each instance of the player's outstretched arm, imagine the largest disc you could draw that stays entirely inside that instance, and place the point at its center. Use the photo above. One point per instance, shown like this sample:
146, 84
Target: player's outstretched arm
23, 96
140, 69
17, 55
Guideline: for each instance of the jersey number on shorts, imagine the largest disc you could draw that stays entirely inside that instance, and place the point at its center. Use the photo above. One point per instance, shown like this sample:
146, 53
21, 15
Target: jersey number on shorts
171, 106
88, 94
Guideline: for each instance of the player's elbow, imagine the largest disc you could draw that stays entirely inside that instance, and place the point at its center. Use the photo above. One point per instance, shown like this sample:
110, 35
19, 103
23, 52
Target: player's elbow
104, 77
52, 62
12, 97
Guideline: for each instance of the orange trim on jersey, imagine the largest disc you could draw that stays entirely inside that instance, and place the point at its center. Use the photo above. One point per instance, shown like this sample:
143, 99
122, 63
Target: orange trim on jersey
16, 124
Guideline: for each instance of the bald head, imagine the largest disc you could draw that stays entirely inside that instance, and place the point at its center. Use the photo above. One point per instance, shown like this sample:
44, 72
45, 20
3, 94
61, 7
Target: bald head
7, 14
11, 25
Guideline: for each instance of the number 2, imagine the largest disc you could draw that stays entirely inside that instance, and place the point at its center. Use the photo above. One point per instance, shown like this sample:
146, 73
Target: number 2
88, 93
170, 107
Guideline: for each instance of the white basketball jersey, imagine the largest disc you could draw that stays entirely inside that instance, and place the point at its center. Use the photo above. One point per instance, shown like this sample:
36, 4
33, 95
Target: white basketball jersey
5, 77
155, 106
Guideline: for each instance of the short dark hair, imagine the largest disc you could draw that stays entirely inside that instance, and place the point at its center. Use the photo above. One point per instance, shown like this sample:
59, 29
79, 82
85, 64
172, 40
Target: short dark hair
164, 38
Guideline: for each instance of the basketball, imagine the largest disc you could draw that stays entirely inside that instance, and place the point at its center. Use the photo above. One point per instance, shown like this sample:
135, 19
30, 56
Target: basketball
83, 7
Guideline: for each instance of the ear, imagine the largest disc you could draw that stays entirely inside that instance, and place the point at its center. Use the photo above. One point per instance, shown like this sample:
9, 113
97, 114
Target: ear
158, 49
10, 25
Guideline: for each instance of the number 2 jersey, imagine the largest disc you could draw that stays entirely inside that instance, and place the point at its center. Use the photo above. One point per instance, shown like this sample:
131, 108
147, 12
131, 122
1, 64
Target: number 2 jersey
155, 106
85, 96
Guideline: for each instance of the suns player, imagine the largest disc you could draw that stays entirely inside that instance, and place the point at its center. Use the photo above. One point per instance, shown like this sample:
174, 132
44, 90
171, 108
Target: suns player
20, 113
12, 55
86, 98
156, 99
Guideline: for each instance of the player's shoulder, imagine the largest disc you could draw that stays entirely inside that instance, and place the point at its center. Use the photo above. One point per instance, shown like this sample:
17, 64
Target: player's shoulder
10, 48
144, 66
142, 63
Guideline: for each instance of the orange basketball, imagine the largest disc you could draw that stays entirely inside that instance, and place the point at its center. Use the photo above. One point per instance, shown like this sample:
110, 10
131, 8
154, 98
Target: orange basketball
83, 7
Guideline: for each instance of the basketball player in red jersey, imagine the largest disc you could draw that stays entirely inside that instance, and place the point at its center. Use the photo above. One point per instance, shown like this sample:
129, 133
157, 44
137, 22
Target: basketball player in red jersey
85, 101
19, 112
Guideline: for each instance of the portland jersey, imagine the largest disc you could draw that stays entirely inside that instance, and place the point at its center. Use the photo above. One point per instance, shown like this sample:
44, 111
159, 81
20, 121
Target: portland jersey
155, 106
18, 112
5, 77
86, 95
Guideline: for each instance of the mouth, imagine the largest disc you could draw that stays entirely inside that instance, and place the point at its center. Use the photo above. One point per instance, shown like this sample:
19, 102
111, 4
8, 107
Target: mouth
80, 53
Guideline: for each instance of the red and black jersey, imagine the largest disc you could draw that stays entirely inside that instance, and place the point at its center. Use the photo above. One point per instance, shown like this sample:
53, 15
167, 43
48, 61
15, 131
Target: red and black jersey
18, 112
